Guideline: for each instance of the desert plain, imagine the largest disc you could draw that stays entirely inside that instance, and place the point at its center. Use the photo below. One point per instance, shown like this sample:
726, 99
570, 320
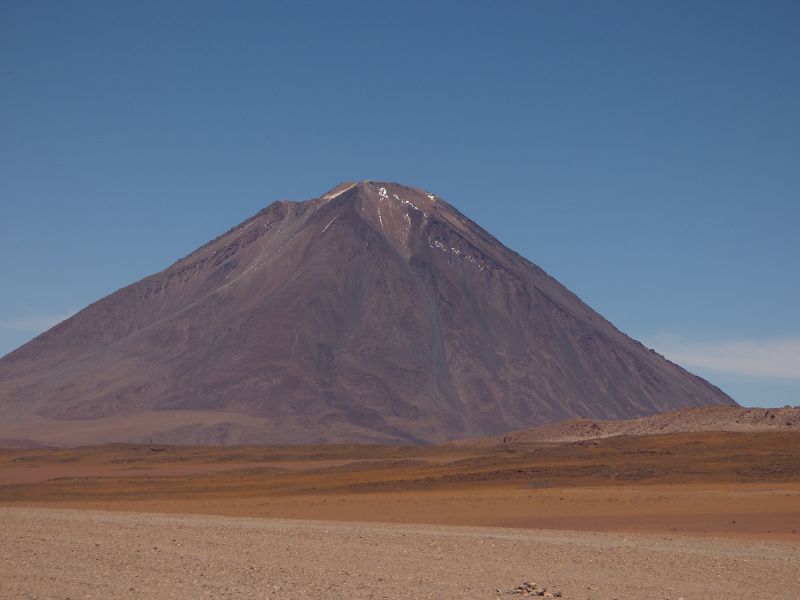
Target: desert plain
681, 515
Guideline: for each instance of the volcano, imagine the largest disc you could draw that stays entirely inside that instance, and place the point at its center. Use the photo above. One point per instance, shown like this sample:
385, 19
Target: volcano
374, 313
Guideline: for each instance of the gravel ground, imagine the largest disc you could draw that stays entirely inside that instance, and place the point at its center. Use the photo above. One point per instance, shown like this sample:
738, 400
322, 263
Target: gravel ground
51, 553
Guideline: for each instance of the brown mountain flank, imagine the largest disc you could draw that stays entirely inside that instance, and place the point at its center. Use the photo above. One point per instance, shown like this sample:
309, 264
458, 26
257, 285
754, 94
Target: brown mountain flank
374, 313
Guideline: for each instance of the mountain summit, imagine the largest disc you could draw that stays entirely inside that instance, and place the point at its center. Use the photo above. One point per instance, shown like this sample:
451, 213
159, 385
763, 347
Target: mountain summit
376, 312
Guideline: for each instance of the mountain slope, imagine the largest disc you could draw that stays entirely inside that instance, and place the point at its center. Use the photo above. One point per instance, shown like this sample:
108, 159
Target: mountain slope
376, 312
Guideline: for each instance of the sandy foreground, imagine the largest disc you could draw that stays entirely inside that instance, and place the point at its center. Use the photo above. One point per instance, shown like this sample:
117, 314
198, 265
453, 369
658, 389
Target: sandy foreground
61, 553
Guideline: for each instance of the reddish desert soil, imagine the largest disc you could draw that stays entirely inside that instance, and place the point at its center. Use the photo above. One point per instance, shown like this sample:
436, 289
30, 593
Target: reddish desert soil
692, 515
731, 484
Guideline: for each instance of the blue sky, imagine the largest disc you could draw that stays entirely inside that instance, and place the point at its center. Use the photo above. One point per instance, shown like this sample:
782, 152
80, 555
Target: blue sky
646, 154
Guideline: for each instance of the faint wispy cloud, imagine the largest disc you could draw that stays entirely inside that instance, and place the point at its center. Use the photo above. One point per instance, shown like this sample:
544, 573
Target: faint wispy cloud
772, 358
33, 323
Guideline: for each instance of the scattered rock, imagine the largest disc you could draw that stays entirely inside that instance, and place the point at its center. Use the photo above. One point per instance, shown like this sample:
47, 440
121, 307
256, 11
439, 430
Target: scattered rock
530, 588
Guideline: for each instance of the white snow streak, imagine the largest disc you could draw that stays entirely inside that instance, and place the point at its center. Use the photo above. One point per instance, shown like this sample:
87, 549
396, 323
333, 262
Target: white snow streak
332, 196
411, 204
328, 225
455, 252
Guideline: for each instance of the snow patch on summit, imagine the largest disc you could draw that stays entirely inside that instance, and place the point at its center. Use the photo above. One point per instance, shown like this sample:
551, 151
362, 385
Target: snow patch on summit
330, 196
411, 204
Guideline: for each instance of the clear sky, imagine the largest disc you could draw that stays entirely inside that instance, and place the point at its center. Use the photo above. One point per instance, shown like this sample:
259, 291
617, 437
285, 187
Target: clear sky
646, 154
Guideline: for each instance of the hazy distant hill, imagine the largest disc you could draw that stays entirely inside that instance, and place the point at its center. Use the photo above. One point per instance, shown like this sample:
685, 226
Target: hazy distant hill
687, 420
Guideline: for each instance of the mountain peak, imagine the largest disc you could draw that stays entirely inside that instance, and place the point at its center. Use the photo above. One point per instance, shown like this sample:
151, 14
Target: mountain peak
399, 212
381, 191
376, 312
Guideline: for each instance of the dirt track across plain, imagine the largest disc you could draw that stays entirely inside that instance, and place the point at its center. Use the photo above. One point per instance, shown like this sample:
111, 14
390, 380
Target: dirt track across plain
56, 553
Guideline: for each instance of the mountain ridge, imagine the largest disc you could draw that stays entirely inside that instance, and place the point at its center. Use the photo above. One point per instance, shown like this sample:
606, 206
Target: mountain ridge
375, 306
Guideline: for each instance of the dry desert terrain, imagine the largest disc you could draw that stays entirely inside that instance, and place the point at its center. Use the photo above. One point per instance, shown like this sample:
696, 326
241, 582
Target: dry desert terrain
54, 553
682, 515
